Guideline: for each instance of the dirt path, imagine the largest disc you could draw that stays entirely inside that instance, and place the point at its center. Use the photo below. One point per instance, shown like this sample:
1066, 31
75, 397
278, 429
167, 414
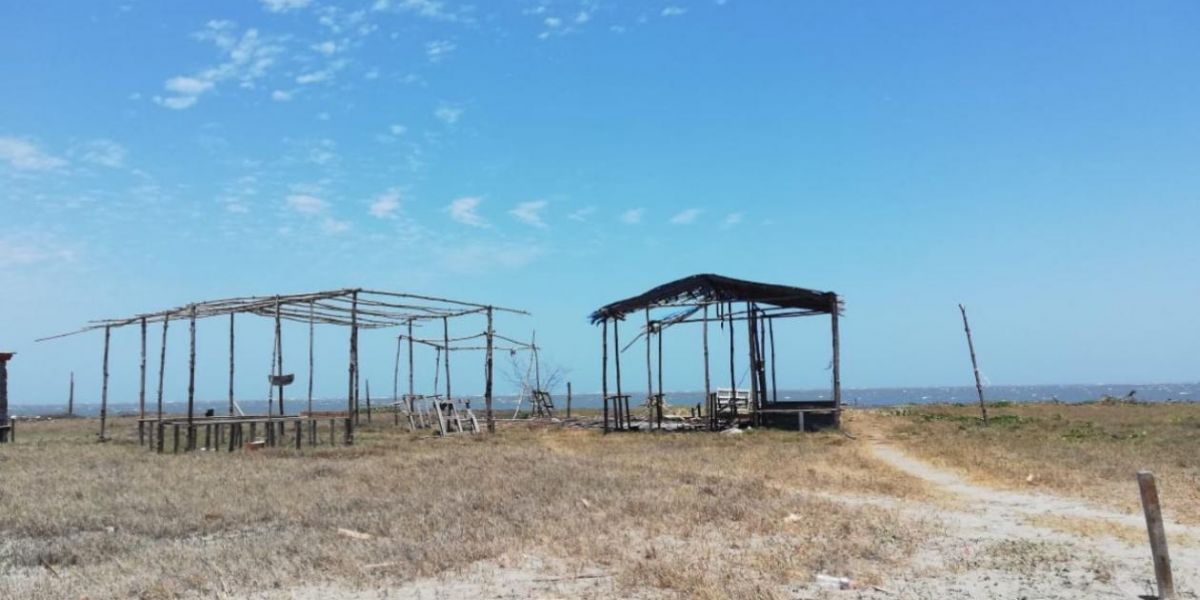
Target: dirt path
995, 545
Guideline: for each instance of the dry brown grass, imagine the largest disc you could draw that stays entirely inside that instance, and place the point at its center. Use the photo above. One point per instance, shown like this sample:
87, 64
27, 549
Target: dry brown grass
1087, 450
692, 515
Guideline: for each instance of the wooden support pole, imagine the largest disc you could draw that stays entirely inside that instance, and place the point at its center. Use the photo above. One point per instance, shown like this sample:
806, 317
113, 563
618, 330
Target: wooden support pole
774, 386
142, 377
649, 368
311, 332
752, 355
487, 373
396, 380
617, 366
732, 375
837, 360
659, 400
568, 399
368, 401
537, 364
231, 364
104, 387
411, 389
279, 355
708, 400
162, 367
974, 363
71, 397
191, 395
604, 368
1158, 537
353, 351
446, 340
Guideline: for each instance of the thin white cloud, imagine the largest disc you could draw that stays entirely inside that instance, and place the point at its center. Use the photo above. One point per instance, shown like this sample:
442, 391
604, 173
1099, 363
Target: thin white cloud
247, 58
326, 47
448, 114
686, 217
282, 6
437, 50
333, 226
466, 211
281, 95
431, 9
314, 77
633, 216
106, 153
24, 155
397, 130
582, 214
482, 257
306, 204
732, 220
673, 11
530, 213
25, 249
386, 205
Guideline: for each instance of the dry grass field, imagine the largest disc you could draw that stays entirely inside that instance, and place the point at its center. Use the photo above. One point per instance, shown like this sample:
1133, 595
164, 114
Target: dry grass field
1088, 450
674, 515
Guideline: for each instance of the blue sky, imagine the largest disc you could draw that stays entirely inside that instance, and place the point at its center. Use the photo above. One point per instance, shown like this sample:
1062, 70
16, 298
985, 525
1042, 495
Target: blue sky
1034, 161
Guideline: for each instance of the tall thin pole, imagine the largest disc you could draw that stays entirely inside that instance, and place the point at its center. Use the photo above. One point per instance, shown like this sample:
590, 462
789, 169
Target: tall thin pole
974, 364
659, 400
231, 362
752, 342
837, 359
353, 352
446, 340
162, 366
649, 367
411, 391
774, 387
191, 436
104, 387
487, 389
396, 375
617, 364
70, 396
604, 368
279, 355
1148, 488
311, 332
732, 375
142, 380
537, 365
707, 380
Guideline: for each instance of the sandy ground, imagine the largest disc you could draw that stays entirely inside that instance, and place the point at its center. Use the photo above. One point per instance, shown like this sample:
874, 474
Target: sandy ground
991, 550
988, 549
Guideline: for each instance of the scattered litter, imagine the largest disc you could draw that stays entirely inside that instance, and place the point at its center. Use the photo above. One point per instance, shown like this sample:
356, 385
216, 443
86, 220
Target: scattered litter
110, 529
732, 431
1029, 479
830, 582
792, 518
585, 503
382, 565
350, 533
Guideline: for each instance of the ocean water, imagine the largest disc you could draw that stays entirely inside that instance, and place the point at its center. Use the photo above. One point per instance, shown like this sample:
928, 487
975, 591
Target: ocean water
1156, 392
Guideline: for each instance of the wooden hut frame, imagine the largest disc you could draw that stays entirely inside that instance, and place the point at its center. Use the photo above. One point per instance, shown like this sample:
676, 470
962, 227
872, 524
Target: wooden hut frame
757, 306
354, 308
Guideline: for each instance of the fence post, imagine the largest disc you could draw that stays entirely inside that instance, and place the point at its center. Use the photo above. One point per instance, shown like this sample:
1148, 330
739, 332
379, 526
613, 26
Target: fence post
1158, 538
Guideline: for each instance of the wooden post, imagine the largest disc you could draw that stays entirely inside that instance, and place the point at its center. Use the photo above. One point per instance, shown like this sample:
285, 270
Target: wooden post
231, 356
191, 397
604, 368
446, 340
353, 351
771, 333
732, 375
837, 361
104, 387
537, 364
708, 401
1158, 537
752, 343
310, 356
4, 418
396, 381
279, 355
142, 380
411, 391
162, 367
617, 365
649, 368
659, 403
487, 372
71, 397
568, 399
974, 363
368, 401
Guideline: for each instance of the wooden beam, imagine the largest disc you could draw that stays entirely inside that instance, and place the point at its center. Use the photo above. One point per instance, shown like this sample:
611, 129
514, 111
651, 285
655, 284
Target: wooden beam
104, 387
974, 363
446, 336
191, 396
604, 369
712, 423
1158, 537
311, 334
231, 363
142, 377
162, 366
487, 368
837, 359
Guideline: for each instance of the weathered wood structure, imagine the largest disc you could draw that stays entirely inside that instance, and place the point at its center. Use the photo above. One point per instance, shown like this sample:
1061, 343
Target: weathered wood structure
6, 421
356, 309
709, 299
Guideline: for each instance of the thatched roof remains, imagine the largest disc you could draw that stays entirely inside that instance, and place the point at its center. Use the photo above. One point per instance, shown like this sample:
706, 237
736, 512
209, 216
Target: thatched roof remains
699, 290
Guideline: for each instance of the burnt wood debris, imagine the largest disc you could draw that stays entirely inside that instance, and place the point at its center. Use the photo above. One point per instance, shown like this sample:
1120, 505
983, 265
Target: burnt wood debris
356, 309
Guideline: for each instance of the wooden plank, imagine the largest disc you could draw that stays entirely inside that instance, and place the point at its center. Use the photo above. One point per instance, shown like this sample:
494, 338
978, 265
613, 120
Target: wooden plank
1158, 537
